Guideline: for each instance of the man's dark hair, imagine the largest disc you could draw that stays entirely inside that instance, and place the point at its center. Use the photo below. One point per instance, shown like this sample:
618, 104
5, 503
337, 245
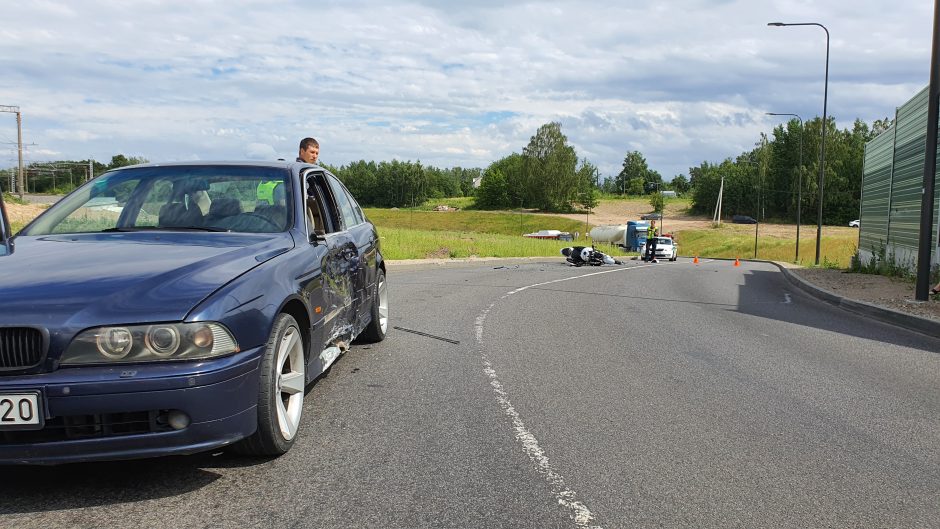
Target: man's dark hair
307, 142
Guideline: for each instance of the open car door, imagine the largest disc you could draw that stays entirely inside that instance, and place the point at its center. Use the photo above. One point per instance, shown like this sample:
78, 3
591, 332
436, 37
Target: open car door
6, 234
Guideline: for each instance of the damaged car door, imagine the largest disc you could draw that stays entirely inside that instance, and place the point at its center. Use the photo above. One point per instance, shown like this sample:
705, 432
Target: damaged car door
365, 239
339, 268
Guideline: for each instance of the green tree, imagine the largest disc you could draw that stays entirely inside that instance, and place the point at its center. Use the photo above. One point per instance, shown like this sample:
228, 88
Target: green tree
635, 186
550, 167
657, 201
494, 190
634, 169
587, 185
681, 184
653, 183
119, 160
513, 168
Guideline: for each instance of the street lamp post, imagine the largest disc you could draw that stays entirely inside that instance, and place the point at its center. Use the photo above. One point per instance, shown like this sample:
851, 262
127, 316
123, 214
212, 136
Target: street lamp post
822, 151
799, 190
757, 214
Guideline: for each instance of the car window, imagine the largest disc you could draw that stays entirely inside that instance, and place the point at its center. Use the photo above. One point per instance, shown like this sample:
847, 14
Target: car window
343, 202
246, 199
100, 211
318, 206
360, 216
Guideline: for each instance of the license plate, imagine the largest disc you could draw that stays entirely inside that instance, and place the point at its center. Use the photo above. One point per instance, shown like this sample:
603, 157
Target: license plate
20, 411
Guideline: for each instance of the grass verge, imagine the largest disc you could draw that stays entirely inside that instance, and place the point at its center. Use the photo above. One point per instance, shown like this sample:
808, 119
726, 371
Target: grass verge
483, 222
404, 243
836, 250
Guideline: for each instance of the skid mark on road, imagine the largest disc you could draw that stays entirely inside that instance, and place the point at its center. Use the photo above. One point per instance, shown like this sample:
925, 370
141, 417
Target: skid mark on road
566, 497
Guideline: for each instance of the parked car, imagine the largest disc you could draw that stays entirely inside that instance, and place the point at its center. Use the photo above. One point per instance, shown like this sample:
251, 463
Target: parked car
550, 234
664, 248
854, 223
190, 317
652, 216
743, 219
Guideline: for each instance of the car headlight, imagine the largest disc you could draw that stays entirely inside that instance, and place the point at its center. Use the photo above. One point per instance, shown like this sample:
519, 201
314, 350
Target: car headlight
149, 343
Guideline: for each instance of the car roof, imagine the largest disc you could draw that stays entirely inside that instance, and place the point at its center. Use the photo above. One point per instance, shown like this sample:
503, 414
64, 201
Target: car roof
251, 163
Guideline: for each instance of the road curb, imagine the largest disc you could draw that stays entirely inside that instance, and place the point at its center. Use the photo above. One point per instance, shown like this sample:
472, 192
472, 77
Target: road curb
894, 317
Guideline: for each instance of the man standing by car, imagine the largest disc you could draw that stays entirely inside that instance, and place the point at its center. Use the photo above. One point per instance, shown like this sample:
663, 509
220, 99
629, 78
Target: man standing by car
651, 233
309, 151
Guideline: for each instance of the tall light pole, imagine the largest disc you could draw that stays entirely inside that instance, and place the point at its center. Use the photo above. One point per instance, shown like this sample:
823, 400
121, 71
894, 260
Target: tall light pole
822, 151
799, 190
756, 165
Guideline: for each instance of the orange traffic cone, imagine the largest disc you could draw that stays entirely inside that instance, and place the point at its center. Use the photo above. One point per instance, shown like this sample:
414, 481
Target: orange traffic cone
736, 262
695, 260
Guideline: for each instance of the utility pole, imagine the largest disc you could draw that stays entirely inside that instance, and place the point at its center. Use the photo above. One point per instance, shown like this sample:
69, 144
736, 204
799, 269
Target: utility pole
19, 141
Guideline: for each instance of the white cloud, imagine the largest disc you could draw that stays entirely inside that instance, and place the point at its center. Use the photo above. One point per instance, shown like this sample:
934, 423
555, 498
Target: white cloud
260, 151
681, 80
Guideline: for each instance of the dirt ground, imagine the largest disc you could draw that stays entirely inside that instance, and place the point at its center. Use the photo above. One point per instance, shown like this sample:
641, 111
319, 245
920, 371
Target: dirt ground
21, 214
878, 290
882, 291
675, 218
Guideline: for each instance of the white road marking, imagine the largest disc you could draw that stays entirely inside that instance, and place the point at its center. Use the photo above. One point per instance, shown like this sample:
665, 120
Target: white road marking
566, 497
786, 298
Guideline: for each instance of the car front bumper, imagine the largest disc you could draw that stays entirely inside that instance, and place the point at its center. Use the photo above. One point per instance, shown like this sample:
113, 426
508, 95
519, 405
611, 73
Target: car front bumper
102, 413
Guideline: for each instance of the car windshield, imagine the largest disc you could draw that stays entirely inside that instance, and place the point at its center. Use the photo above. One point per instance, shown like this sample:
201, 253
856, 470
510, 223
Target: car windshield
174, 198
664, 241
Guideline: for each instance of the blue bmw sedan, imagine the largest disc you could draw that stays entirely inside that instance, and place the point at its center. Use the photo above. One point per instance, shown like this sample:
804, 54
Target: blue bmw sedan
176, 308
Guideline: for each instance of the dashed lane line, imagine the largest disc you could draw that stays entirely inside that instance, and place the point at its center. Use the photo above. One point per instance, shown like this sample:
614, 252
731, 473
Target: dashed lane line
567, 498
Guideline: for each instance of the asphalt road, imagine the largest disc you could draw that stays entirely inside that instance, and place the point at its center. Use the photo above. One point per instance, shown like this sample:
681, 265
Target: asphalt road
673, 394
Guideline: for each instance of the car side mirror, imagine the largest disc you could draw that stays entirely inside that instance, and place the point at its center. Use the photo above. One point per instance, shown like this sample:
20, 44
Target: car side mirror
317, 237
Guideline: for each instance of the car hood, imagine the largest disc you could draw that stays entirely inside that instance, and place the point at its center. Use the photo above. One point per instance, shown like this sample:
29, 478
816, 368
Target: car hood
94, 279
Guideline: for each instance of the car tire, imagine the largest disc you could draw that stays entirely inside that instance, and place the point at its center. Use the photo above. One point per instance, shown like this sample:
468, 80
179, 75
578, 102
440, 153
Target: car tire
378, 327
280, 392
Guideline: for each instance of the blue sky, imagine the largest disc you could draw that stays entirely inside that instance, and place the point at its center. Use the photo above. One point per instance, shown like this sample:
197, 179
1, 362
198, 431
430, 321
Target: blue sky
447, 83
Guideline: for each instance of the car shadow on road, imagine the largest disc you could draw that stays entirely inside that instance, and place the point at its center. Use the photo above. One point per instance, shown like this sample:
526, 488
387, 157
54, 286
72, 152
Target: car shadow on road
28, 489
51, 488
755, 298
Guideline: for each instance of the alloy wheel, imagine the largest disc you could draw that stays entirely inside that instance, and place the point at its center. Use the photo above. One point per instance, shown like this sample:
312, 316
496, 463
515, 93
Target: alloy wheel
291, 370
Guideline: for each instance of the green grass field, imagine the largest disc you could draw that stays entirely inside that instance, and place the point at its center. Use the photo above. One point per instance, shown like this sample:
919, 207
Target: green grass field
404, 243
493, 222
836, 251
412, 234
419, 234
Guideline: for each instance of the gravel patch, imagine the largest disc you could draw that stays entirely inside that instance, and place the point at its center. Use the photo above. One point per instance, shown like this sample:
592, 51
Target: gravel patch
887, 292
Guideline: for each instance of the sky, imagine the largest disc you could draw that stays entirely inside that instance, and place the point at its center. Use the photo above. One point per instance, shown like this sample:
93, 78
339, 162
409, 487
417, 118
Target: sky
447, 83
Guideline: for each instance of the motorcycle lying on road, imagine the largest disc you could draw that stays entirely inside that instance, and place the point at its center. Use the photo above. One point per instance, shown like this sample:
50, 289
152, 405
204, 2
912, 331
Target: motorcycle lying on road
582, 255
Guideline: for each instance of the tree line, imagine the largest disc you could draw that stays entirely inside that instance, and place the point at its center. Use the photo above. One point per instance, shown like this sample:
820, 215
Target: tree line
770, 181
403, 183
61, 176
781, 174
547, 175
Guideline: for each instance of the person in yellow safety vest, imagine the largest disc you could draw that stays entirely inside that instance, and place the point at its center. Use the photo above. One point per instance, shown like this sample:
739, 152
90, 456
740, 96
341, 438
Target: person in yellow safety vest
651, 233
266, 191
